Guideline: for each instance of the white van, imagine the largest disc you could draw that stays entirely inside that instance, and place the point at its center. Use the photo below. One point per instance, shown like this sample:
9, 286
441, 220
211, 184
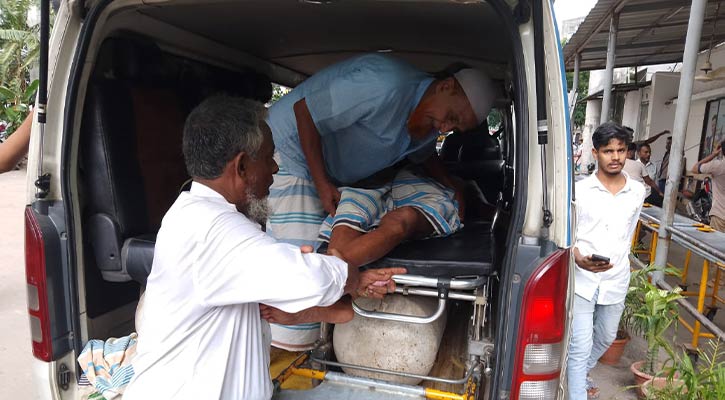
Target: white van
123, 75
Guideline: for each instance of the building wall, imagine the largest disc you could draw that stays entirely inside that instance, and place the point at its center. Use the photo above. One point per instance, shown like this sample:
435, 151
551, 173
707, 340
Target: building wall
694, 132
630, 114
662, 98
661, 110
591, 122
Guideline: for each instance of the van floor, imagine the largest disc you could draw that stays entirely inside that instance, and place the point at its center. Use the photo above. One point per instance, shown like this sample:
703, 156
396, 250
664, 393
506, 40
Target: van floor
451, 360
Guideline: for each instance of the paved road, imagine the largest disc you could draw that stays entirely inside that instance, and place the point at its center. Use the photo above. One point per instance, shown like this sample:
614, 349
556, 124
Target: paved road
15, 351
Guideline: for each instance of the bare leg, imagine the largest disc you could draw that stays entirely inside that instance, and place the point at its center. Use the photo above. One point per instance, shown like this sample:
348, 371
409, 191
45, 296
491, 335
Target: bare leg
338, 313
396, 226
358, 249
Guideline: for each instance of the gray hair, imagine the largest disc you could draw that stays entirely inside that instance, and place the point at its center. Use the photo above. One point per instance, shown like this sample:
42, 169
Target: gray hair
217, 130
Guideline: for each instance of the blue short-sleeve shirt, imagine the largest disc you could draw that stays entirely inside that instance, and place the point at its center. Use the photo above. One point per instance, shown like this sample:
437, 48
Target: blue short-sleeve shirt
360, 108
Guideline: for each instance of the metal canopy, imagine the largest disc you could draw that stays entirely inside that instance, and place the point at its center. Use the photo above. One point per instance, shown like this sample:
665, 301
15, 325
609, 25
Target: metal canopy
650, 32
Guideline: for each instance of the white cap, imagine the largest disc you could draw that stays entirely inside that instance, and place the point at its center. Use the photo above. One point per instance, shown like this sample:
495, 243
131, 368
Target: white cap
479, 90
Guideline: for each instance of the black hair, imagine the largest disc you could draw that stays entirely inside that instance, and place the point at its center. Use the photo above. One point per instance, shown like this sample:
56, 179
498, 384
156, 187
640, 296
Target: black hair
632, 147
607, 132
644, 145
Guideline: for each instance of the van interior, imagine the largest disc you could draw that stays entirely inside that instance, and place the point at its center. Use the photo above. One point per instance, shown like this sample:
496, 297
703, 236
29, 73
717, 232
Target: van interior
152, 63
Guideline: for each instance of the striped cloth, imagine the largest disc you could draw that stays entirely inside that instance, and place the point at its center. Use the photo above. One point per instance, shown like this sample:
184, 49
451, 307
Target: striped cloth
362, 209
296, 217
107, 365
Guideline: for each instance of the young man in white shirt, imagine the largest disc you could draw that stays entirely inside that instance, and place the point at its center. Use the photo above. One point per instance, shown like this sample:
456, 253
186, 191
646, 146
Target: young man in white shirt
608, 206
201, 335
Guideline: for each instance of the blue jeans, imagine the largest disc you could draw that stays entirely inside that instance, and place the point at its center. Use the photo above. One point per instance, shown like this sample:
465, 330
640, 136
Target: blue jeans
594, 328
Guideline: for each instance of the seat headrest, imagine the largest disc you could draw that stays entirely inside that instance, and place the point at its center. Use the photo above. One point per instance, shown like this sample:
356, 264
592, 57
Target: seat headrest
128, 59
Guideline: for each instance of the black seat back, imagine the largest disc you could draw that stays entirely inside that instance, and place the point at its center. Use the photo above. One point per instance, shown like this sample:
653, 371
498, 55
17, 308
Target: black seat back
132, 161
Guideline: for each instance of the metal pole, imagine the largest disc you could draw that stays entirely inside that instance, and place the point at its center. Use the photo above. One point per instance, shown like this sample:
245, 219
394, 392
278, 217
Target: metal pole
609, 75
575, 80
687, 77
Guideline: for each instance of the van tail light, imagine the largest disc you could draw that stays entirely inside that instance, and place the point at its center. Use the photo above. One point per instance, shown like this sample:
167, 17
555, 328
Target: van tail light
37, 288
541, 331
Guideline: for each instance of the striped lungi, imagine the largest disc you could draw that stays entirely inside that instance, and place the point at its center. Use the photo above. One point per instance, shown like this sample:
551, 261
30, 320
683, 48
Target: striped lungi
362, 209
296, 216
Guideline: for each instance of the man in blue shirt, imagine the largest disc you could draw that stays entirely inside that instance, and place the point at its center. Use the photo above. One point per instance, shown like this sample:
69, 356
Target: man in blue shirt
352, 120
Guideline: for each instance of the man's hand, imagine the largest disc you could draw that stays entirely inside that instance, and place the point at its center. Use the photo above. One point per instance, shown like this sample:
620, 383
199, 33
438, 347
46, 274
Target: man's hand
376, 283
329, 196
588, 264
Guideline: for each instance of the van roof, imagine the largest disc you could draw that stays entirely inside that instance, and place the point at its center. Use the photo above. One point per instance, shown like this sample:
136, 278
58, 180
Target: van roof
429, 34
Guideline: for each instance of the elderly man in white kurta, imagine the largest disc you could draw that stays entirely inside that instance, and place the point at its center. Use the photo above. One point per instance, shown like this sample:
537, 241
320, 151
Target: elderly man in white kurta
201, 335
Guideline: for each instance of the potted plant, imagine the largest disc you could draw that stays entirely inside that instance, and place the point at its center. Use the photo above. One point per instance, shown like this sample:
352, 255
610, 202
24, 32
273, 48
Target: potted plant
704, 383
652, 311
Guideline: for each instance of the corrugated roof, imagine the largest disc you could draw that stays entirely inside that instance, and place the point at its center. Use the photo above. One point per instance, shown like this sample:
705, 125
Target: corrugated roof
650, 32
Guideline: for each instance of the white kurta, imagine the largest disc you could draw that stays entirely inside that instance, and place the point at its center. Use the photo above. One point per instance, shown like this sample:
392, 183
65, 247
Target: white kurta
202, 336
605, 225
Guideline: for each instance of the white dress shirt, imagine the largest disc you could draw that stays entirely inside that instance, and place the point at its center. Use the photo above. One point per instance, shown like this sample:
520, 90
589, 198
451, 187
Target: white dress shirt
651, 169
652, 172
201, 333
605, 224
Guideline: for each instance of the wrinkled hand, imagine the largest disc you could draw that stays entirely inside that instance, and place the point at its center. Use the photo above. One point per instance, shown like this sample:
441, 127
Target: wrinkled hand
588, 264
329, 196
376, 283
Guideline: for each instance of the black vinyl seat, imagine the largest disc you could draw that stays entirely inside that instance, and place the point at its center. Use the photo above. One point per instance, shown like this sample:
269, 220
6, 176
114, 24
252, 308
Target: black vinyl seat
132, 164
467, 252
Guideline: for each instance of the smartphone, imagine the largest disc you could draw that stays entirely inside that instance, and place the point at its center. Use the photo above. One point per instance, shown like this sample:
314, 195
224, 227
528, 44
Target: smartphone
598, 258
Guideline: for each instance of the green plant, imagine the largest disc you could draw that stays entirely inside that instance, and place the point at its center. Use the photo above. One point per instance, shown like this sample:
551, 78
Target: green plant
19, 52
650, 312
704, 383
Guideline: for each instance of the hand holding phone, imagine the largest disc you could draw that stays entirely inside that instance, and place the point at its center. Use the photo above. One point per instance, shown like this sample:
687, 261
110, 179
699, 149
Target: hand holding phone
592, 263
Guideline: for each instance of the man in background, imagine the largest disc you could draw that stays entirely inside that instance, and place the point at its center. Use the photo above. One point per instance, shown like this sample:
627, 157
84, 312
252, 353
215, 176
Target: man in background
716, 168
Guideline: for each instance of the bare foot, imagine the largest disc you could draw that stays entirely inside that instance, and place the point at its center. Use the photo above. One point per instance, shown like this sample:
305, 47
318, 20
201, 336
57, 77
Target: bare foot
277, 316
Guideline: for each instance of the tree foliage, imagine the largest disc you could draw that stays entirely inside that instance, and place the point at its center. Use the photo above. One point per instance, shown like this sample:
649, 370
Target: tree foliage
579, 116
19, 53
580, 109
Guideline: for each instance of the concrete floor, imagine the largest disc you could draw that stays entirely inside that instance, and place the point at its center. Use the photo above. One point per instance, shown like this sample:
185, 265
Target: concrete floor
15, 350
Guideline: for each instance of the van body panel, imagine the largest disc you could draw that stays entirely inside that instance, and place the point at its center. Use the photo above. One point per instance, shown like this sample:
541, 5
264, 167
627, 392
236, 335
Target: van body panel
73, 59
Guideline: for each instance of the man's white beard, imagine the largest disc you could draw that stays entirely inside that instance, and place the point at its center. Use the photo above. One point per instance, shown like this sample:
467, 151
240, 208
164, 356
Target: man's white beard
257, 209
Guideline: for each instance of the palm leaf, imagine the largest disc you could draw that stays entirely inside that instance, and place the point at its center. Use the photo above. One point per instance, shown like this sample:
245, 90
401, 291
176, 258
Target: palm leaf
6, 93
14, 35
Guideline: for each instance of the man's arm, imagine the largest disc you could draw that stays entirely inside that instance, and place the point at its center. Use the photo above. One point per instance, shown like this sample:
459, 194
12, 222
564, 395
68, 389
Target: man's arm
697, 167
435, 168
312, 148
652, 139
648, 179
13, 150
652, 184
